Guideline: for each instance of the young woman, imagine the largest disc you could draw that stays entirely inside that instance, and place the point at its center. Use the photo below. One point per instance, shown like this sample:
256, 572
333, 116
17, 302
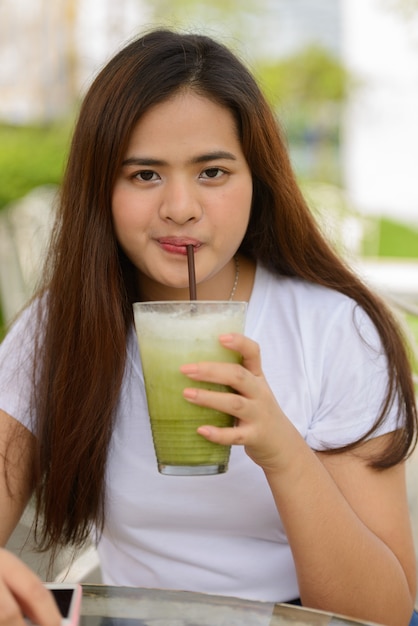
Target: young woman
175, 145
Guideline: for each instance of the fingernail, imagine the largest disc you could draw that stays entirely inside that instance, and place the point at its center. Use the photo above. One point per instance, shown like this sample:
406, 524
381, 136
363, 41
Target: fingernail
189, 393
205, 431
226, 338
189, 369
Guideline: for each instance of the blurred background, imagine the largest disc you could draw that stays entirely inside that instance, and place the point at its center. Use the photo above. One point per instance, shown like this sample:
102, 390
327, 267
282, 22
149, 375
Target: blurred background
342, 76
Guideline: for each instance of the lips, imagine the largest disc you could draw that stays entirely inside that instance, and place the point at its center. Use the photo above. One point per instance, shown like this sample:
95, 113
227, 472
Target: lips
178, 245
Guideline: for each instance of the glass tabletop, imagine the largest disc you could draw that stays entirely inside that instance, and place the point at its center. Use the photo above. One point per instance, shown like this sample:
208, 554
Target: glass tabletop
125, 606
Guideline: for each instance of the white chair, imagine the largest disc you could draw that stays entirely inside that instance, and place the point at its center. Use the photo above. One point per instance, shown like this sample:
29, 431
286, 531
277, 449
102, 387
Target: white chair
25, 227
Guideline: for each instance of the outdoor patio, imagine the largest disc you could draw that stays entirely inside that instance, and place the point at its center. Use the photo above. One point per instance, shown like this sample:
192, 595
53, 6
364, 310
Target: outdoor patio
24, 229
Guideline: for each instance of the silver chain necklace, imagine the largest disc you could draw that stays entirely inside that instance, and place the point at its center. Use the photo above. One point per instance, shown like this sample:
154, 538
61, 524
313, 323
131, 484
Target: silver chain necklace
234, 286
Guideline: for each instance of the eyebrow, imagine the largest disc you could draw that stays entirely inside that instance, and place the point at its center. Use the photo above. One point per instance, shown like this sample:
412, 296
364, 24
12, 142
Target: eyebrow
201, 158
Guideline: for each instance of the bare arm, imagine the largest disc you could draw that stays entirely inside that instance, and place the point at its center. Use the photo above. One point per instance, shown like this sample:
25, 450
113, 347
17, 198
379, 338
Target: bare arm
348, 525
16, 447
20, 589
349, 530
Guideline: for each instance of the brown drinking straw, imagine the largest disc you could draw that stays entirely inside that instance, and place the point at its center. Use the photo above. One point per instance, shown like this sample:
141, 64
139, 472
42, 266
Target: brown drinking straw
192, 275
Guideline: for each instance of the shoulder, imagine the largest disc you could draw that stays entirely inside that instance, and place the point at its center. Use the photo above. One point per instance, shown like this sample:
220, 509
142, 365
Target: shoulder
297, 294
17, 366
27, 324
313, 312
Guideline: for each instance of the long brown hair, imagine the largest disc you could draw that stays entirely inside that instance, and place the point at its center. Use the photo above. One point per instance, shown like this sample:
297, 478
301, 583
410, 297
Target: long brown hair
89, 283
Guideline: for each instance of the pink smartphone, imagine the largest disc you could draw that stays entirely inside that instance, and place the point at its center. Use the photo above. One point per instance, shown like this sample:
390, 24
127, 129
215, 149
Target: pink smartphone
68, 599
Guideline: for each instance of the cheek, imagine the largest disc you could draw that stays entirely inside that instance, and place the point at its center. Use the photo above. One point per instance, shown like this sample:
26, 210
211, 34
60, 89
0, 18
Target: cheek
118, 206
234, 219
120, 225
124, 229
239, 197
125, 213
244, 201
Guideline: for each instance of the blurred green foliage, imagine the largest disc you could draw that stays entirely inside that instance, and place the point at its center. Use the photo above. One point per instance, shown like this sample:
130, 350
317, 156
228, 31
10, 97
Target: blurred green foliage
31, 156
232, 20
387, 237
186, 11
411, 322
308, 90
306, 80
397, 239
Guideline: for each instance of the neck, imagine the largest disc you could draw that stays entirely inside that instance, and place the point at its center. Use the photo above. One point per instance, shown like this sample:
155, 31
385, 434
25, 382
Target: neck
221, 286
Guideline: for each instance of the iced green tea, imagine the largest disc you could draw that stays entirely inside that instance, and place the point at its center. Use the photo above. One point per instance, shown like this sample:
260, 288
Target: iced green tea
171, 334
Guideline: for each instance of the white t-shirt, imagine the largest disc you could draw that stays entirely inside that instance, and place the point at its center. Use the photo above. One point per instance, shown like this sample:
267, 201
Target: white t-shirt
222, 534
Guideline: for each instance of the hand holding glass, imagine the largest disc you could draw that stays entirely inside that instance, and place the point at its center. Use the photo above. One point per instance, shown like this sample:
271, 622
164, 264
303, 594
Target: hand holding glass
171, 334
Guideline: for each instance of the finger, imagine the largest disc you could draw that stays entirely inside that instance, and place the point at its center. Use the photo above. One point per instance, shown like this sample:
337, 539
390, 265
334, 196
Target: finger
244, 379
39, 604
249, 349
230, 403
223, 436
230, 375
10, 612
23, 592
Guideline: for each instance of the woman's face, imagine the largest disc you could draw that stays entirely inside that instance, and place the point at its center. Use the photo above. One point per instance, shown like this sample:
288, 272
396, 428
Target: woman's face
184, 180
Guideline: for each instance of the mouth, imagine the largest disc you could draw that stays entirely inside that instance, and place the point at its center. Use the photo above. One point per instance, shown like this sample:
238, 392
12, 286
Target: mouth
178, 245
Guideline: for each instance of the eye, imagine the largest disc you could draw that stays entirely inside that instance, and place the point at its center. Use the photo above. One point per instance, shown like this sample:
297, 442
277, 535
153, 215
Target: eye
212, 172
146, 175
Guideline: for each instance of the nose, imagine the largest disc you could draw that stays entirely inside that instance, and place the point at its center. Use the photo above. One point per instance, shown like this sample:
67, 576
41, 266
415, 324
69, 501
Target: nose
180, 203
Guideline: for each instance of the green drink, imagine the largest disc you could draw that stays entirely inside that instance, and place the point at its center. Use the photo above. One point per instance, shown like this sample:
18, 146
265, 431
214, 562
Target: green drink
171, 334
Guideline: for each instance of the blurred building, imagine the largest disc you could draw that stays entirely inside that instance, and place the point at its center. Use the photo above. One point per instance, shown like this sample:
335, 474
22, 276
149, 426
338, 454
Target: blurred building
49, 49
380, 142
294, 24
35, 59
